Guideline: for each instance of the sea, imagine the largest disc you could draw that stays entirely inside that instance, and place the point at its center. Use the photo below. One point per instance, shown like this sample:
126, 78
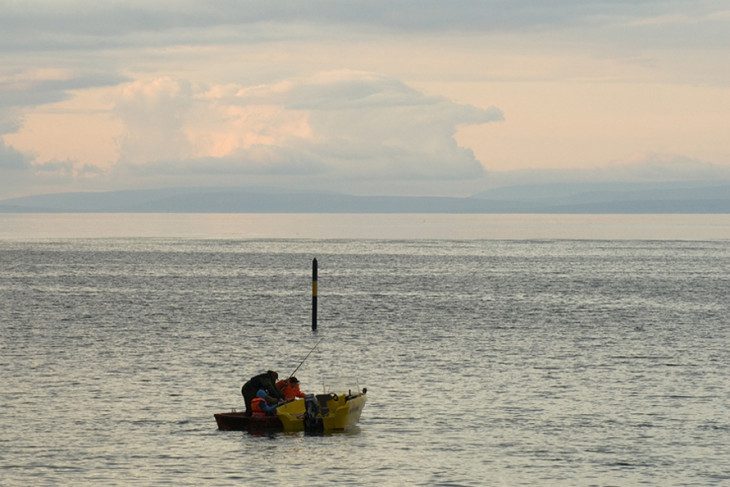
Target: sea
495, 349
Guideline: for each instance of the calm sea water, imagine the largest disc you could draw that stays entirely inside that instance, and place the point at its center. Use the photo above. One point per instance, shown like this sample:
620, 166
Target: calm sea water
488, 361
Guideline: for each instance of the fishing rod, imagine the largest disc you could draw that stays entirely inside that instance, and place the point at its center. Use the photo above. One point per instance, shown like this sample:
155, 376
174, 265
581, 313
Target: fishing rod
305, 358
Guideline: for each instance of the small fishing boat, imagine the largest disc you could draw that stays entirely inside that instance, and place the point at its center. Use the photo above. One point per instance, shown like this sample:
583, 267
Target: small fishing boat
316, 413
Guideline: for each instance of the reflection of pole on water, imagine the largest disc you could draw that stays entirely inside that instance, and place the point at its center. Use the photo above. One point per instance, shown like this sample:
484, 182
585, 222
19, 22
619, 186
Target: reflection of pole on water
314, 295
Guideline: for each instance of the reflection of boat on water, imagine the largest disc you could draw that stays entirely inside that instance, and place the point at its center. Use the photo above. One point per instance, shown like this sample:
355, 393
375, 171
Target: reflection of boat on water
315, 413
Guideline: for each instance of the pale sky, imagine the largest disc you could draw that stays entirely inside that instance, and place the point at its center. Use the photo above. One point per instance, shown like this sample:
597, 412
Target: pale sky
367, 97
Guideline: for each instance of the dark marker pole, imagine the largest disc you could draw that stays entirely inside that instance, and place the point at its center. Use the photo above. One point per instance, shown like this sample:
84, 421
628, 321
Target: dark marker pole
314, 295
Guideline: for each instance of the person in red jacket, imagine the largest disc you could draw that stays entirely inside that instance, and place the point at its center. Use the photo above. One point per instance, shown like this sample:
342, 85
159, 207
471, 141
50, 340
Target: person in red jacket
289, 388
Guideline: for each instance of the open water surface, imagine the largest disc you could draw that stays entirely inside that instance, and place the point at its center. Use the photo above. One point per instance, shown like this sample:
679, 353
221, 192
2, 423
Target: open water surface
487, 362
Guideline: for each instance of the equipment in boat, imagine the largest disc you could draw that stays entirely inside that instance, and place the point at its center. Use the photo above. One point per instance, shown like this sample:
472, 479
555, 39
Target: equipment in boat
316, 413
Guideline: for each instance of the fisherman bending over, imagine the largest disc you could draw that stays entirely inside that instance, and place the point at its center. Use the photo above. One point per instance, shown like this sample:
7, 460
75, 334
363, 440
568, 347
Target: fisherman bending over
265, 382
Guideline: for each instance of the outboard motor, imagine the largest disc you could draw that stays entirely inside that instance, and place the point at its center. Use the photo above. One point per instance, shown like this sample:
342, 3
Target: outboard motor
313, 422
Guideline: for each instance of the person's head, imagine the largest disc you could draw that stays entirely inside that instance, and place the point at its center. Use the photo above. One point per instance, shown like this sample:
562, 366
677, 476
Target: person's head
273, 374
293, 380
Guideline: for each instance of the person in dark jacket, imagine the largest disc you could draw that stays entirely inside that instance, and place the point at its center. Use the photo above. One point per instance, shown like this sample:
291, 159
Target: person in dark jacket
265, 382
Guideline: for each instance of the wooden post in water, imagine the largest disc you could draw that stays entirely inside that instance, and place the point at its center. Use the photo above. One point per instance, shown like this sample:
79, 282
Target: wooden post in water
314, 295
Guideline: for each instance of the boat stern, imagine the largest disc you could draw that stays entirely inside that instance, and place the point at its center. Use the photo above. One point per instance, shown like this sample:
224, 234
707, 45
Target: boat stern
344, 411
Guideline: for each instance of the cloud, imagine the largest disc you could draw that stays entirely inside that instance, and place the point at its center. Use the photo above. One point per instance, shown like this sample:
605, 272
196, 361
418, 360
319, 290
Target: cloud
58, 24
23, 90
173, 89
154, 114
11, 160
28, 88
15, 171
340, 124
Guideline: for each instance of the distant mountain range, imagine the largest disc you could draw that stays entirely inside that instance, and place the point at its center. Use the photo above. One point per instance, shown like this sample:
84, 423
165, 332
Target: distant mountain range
616, 197
619, 197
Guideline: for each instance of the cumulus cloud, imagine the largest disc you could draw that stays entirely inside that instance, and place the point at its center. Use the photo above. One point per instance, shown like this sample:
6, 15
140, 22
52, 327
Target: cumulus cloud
340, 124
154, 114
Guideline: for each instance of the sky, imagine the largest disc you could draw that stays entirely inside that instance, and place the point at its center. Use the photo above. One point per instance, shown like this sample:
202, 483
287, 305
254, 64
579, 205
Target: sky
417, 97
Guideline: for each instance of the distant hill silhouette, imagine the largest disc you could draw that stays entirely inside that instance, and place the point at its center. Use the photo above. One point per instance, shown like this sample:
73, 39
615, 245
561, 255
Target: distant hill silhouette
617, 197
549, 198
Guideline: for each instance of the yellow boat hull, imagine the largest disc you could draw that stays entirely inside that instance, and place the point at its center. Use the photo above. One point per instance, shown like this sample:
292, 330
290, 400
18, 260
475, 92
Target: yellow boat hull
334, 412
